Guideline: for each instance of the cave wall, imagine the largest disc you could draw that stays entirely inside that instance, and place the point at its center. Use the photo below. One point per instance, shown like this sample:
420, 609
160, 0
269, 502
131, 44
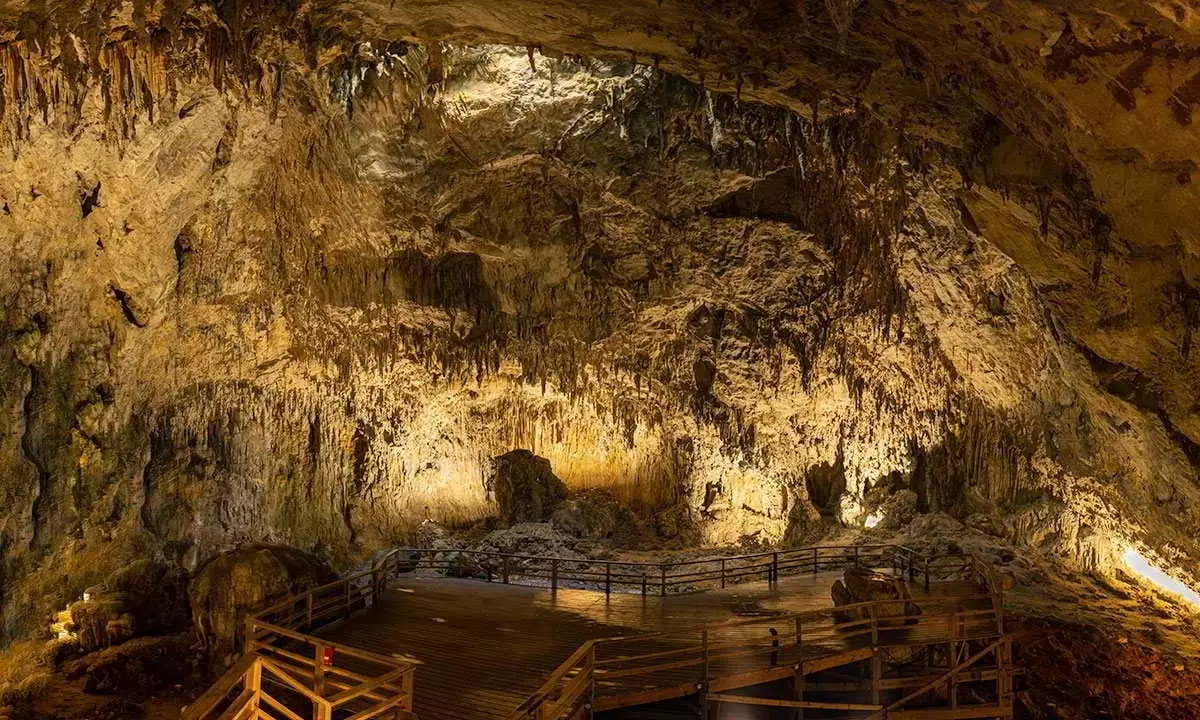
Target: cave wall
301, 292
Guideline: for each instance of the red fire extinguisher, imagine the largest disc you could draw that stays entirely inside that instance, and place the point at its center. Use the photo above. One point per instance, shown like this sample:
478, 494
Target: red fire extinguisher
327, 657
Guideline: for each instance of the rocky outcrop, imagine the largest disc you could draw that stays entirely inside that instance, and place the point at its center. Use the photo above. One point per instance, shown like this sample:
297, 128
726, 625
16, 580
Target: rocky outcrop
102, 621
598, 515
862, 585
525, 488
140, 599
156, 594
238, 583
140, 666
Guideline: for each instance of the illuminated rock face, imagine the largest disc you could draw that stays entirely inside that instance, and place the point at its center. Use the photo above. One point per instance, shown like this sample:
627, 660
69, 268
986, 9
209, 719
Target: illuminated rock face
251, 300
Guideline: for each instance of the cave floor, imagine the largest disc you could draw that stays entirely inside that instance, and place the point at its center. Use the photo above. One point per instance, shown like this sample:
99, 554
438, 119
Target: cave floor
486, 647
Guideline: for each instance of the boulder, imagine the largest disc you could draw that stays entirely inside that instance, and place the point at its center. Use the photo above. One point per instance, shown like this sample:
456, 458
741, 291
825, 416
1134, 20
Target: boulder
143, 665
896, 510
156, 594
142, 598
525, 488
234, 584
537, 539
101, 621
860, 585
596, 515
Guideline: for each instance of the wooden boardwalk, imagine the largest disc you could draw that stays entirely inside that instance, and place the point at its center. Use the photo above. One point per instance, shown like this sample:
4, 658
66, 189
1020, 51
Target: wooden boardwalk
484, 648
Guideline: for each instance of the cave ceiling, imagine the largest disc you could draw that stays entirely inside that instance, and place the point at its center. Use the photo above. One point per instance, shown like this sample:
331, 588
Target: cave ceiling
294, 271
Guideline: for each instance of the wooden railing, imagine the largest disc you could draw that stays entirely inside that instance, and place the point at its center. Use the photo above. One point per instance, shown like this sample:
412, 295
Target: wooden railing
662, 578
288, 674
618, 672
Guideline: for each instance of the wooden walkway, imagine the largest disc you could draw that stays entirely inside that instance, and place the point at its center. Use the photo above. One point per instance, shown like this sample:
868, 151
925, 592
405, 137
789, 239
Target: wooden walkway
485, 648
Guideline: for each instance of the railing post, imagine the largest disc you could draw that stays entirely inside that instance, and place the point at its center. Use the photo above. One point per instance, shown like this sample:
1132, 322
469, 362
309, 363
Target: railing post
505, 569
310, 609
951, 685
324, 710
927, 573
407, 683
591, 707
643, 584
663, 586
248, 631
1004, 682
607, 578
775, 568
319, 669
876, 677
348, 584
254, 683
816, 564
554, 575
874, 627
722, 573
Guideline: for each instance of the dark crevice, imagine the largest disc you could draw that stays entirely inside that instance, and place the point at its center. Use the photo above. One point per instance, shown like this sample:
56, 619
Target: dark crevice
89, 199
29, 451
126, 302
183, 254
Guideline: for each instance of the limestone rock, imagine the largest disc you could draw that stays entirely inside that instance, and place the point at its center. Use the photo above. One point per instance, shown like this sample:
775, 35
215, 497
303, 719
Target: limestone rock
525, 487
102, 621
860, 585
155, 594
534, 539
597, 515
142, 665
237, 583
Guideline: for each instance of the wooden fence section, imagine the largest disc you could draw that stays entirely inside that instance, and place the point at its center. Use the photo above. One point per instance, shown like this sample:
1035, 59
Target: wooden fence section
960, 632
663, 578
286, 674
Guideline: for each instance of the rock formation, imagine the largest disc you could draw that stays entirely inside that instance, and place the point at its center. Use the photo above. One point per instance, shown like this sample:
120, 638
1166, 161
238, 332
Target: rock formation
525, 488
862, 585
236, 584
295, 272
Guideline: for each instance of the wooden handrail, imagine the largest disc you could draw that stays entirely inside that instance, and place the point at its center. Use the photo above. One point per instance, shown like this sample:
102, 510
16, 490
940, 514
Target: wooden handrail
220, 689
936, 682
388, 690
952, 615
562, 690
551, 683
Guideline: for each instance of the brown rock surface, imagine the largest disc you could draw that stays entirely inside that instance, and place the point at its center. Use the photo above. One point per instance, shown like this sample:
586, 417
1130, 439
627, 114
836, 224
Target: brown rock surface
525, 487
236, 584
279, 272
862, 585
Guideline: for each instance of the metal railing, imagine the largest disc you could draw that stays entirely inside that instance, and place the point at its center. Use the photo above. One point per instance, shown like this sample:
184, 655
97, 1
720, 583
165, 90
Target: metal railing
707, 661
284, 668
662, 578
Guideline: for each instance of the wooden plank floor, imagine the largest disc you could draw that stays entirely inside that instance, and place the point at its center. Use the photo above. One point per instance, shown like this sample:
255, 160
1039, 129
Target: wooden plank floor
485, 647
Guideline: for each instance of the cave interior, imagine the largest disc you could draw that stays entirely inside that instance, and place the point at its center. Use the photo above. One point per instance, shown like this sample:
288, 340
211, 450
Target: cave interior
298, 290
